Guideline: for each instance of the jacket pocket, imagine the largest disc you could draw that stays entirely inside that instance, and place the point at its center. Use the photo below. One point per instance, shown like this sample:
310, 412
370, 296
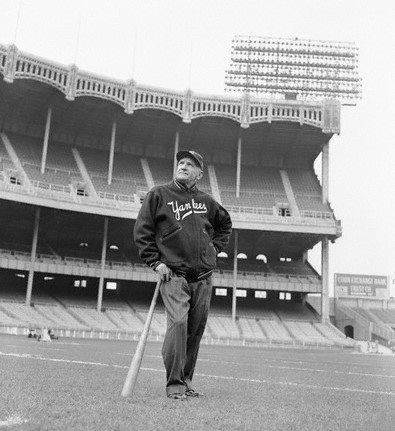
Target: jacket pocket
173, 246
167, 235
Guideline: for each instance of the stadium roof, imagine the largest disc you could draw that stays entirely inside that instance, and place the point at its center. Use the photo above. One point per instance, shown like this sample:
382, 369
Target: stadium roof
25, 103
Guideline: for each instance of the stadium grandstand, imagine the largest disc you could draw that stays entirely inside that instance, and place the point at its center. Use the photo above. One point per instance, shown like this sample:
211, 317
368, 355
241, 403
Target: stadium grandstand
79, 151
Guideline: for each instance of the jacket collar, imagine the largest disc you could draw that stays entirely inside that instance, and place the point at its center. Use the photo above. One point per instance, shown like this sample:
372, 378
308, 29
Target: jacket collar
181, 186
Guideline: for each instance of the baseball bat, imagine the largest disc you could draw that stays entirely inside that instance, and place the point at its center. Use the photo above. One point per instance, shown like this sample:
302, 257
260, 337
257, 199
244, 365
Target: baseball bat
134, 368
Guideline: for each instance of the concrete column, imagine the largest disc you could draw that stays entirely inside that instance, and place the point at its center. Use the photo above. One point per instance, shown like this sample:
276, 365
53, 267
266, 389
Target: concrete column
325, 173
32, 258
112, 149
235, 275
103, 265
176, 149
325, 280
238, 173
46, 138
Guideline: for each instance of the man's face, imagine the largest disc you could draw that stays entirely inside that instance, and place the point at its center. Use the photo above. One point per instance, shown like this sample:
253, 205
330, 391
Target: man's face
188, 172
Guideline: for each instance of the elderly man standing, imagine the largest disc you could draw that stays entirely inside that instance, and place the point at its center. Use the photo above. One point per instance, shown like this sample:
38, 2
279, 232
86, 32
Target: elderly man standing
179, 231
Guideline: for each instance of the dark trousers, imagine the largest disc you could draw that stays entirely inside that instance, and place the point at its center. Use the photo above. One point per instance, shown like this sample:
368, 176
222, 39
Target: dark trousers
187, 306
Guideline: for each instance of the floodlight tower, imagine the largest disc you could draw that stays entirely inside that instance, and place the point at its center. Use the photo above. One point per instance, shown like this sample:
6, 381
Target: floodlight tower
294, 69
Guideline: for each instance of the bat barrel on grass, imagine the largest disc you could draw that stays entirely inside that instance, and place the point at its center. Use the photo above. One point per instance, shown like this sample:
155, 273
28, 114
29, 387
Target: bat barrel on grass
134, 368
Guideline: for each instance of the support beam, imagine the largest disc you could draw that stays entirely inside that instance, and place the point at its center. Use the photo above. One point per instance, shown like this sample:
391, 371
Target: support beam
238, 173
235, 275
46, 138
325, 280
112, 149
33, 257
325, 173
176, 149
102, 266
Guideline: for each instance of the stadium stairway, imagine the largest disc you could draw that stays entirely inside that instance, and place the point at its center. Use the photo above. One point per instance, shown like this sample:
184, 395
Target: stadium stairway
290, 194
84, 173
147, 173
214, 183
15, 159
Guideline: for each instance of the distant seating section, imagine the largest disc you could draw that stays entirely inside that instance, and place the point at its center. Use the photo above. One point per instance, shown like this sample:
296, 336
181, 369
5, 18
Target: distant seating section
386, 316
381, 317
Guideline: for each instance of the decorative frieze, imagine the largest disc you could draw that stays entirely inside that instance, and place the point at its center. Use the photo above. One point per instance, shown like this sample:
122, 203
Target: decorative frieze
188, 106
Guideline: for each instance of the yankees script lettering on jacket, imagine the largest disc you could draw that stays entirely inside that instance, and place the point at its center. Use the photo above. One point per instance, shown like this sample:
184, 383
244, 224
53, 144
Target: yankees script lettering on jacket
185, 229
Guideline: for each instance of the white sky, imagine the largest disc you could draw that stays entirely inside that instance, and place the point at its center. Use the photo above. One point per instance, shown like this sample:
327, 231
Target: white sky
178, 44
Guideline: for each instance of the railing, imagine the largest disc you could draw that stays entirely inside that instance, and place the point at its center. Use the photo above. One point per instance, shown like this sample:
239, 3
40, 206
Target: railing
52, 169
269, 276
127, 202
265, 215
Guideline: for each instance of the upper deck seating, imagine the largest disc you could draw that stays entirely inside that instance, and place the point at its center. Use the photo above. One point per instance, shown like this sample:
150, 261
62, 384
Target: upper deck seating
259, 186
127, 176
29, 150
307, 190
161, 170
60, 167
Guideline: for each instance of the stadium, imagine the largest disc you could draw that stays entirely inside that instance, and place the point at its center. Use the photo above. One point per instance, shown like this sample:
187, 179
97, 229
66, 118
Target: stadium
78, 153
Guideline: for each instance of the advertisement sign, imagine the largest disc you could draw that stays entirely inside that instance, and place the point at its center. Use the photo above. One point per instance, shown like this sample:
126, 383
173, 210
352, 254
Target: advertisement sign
362, 286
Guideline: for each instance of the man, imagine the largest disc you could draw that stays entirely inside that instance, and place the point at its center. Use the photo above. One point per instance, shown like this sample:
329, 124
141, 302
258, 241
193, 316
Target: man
179, 231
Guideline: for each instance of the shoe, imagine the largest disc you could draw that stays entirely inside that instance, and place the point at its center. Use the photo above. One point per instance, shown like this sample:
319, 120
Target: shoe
177, 396
193, 393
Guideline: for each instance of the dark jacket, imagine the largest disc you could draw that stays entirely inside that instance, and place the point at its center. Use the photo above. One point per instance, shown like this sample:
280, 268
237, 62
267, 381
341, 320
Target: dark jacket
183, 228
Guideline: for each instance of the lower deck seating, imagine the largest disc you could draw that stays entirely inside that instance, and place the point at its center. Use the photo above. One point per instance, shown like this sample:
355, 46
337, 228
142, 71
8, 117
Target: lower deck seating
275, 330
305, 331
27, 315
223, 327
93, 319
126, 319
250, 329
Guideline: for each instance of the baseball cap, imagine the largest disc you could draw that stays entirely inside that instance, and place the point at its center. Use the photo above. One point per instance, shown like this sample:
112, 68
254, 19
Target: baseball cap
196, 157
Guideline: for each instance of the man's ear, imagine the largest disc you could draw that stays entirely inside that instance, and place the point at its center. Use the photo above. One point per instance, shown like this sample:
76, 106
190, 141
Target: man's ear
200, 174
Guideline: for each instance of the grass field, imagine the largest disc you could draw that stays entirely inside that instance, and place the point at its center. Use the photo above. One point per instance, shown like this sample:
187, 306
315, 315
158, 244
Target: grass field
76, 384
